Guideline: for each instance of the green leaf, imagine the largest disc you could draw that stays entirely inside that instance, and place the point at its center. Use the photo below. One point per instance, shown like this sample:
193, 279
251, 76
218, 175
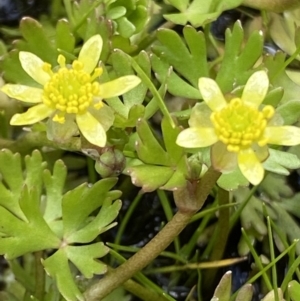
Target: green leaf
294, 290
280, 162
32, 235
200, 13
292, 204
276, 187
83, 257
271, 296
232, 180
179, 4
223, 290
34, 170
57, 266
149, 177
170, 135
116, 12
87, 199
65, 40
122, 66
237, 61
279, 78
135, 113
54, 185
175, 84
13, 178
189, 58
245, 293
37, 40
148, 148
287, 223
289, 111
101, 223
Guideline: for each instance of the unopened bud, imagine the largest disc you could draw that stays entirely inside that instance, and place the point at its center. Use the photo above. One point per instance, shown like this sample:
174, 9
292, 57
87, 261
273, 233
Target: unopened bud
111, 163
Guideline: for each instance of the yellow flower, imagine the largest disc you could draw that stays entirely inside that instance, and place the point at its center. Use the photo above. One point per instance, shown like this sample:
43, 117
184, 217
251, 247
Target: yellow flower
70, 92
238, 130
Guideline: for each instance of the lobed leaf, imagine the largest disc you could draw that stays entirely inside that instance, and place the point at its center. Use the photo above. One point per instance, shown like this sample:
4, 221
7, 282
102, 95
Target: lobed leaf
237, 63
188, 58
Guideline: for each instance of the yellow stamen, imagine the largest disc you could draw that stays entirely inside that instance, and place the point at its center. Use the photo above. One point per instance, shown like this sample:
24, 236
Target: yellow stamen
71, 90
239, 125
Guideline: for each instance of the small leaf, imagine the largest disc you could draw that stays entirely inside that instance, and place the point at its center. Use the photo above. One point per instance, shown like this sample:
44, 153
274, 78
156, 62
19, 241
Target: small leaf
170, 135
280, 162
54, 185
149, 177
294, 290
223, 290
175, 84
271, 296
245, 293
232, 180
148, 148
57, 266
179, 4
38, 42
101, 223
64, 37
237, 63
200, 13
23, 237
290, 111
83, 257
87, 199
188, 60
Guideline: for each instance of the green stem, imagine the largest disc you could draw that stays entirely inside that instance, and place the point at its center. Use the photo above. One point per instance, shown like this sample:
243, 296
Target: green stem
153, 249
221, 235
39, 276
141, 292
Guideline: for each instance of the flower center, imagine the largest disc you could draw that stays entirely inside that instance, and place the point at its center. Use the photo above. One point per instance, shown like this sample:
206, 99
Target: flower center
239, 125
71, 89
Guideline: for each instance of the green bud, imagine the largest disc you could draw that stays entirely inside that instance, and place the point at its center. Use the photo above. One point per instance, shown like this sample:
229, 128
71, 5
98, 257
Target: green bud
196, 167
110, 164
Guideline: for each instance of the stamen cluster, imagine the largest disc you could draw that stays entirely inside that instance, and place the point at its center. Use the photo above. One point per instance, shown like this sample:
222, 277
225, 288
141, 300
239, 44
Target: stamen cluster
239, 125
70, 90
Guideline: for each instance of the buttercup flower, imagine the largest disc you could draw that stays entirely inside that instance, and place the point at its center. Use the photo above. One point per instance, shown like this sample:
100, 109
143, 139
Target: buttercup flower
70, 92
238, 130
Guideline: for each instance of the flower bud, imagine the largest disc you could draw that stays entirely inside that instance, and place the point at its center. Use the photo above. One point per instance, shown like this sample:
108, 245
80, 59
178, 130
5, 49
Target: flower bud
111, 163
196, 167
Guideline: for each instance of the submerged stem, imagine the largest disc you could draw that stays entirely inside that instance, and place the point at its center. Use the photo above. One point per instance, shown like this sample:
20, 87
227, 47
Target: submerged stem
154, 247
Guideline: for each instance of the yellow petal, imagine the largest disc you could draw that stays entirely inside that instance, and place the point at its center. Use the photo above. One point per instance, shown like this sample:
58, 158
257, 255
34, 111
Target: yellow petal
196, 137
33, 66
118, 86
222, 159
250, 166
256, 88
261, 152
283, 135
23, 93
200, 116
90, 53
211, 94
32, 115
91, 129
104, 115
